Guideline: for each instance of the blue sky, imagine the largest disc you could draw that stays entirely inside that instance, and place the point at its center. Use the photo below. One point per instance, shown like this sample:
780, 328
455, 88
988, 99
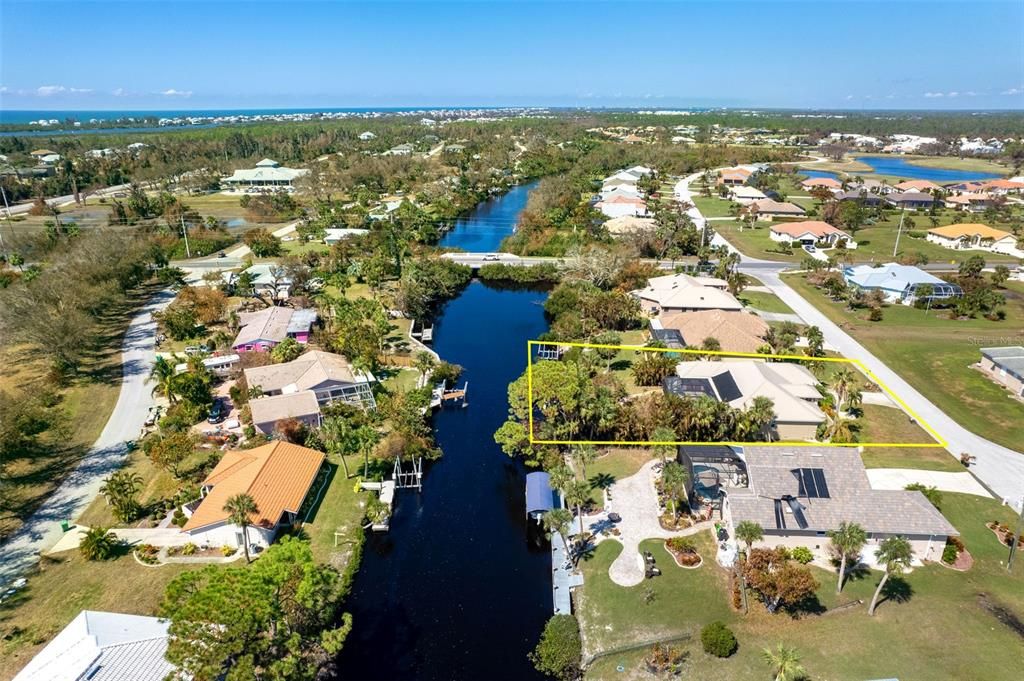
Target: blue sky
195, 55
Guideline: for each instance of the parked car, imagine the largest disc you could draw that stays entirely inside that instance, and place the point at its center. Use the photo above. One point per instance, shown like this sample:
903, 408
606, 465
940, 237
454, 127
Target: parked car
218, 412
491, 256
809, 248
195, 349
222, 254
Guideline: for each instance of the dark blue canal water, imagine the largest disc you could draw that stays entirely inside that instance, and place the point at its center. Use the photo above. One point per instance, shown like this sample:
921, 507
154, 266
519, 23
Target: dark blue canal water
899, 167
455, 591
482, 230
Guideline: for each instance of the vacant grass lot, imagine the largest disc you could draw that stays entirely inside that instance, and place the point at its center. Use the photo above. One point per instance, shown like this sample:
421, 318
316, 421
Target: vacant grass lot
938, 629
888, 424
935, 354
766, 302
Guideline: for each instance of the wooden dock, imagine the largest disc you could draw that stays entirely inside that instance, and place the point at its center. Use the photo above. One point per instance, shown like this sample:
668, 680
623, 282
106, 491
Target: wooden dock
563, 578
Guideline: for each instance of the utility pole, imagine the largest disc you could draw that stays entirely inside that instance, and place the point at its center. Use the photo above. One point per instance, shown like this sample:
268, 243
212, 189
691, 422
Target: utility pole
7, 210
184, 233
1016, 536
899, 231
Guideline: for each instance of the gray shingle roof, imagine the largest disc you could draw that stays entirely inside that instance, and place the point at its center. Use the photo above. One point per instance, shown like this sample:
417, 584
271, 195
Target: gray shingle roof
770, 471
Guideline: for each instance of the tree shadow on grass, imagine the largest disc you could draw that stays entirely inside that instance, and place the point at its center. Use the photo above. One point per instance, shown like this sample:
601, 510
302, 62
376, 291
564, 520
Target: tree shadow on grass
602, 481
620, 365
897, 590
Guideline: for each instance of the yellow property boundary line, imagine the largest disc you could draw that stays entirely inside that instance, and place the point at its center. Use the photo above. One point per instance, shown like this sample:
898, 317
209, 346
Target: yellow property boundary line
939, 444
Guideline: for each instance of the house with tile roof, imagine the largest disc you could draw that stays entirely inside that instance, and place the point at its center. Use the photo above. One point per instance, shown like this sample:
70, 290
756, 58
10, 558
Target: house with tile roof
330, 377
918, 186
745, 194
826, 182
797, 495
810, 233
768, 209
792, 388
974, 236
683, 292
972, 202
278, 476
732, 177
622, 205
103, 646
735, 331
268, 174
899, 283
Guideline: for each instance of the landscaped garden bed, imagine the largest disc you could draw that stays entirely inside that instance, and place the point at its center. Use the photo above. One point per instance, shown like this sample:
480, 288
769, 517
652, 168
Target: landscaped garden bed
684, 552
193, 551
956, 556
1003, 532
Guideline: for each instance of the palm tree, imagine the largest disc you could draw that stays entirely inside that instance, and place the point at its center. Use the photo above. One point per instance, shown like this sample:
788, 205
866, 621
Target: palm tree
163, 374
364, 438
815, 342
120, 490
673, 482
336, 434
842, 381
848, 539
895, 553
577, 493
560, 477
664, 434
749, 532
241, 507
583, 454
424, 363
98, 543
761, 414
785, 663
558, 520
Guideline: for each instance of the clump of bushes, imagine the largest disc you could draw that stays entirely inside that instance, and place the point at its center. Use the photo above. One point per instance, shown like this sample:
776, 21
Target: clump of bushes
559, 652
179, 519
147, 554
664, 659
188, 549
227, 550
684, 550
718, 640
801, 554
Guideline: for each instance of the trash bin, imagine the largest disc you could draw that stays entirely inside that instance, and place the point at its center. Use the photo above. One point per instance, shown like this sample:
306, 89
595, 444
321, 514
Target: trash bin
65, 525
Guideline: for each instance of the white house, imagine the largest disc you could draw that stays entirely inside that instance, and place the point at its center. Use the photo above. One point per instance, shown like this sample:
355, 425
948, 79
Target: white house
278, 476
103, 646
682, 292
809, 233
975, 236
745, 194
898, 283
268, 173
367, 136
334, 235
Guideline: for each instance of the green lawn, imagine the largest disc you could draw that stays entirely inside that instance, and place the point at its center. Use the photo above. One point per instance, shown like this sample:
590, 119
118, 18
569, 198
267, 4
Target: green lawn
935, 354
297, 247
339, 511
713, 206
942, 630
755, 241
889, 424
766, 302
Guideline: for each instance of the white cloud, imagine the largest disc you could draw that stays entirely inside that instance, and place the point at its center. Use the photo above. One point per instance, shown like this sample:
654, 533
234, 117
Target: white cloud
119, 92
3, 90
931, 95
1013, 91
175, 93
49, 90
952, 94
849, 97
80, 90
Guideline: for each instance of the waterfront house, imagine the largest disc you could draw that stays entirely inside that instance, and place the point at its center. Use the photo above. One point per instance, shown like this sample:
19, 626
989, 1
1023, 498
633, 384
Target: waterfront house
262, 330
918, 186
870, 186
334, 234
792, 388
898, 283
826, 182
911, 200
268, 174
1003, 187
103, 646
622, 206
278, 476
864, 197
267, 412
683, 292
330, 377
768, 209
735, 331
1005, 366
799, 495
810, 233
974, 235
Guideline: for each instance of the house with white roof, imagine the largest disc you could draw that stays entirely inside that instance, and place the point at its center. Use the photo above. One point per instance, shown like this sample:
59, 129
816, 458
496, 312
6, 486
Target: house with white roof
899, 283
269, 280
683, 293
333, 235
268, 174
792, 388
745, 194
103, 646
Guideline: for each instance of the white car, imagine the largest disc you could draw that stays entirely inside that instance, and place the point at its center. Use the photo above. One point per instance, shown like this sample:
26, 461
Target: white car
491, 257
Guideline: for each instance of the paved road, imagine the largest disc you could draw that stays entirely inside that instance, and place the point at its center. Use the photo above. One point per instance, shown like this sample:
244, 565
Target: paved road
59, 201
42, 530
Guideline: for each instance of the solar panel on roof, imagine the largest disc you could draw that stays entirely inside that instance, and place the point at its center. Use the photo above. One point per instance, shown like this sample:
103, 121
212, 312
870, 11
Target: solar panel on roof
727, 388
780, 517
811, 483
798, 512
689, 387
819, 483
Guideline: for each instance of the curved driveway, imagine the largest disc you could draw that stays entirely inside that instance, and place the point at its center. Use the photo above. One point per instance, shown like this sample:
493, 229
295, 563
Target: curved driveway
42, 530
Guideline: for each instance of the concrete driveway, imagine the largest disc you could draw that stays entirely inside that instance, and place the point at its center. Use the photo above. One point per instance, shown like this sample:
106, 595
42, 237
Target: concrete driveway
42, 530
898, 478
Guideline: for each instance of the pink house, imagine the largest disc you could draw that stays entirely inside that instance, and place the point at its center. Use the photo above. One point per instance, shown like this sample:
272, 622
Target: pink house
264, 329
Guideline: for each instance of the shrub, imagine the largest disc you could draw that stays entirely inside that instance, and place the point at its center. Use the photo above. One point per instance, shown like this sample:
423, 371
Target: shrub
802, 555
99, 543
665, 659
559, 651
681, 544
147, 553
227, 550
949, 554
188, 549
875, 315
179, 518
718, 640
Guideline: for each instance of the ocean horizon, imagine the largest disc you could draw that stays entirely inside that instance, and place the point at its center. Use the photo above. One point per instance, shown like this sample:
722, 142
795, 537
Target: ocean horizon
15, 116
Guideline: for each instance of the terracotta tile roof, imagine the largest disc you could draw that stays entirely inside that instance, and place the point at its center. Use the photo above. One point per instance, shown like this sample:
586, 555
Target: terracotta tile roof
277, 475
822, 182
814, 227
784, 208
967, 197
917, 185
969, 229
1003, 184
735, 331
